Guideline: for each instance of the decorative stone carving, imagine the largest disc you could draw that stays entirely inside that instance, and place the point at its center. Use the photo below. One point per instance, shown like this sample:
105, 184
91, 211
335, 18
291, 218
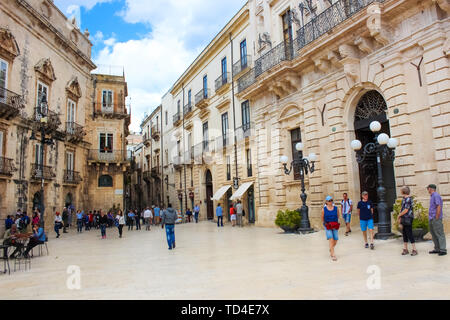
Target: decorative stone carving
334, 58
443, 4
8, 44
45, 68
364, 44
322, 64
378, 30
351, 63
264, 39
73, 88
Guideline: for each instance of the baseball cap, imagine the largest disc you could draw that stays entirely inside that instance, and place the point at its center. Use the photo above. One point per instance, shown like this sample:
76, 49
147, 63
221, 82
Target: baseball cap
329, 198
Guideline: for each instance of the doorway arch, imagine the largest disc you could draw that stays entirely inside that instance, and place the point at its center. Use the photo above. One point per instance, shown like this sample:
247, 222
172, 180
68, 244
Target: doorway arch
209, 195
370, 107
68, 200
37, 201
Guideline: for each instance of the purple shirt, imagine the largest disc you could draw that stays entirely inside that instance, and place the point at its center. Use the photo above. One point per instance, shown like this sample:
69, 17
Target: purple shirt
435, 201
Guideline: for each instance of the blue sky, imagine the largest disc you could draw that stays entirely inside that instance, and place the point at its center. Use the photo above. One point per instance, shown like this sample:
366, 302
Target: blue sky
154, 40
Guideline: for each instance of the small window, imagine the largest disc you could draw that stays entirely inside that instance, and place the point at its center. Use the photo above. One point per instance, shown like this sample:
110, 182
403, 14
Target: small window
107, 101
105, 181
167, 116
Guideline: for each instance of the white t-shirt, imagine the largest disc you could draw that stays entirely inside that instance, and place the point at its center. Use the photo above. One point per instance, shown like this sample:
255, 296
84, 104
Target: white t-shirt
58, 219
148, 214
346, 206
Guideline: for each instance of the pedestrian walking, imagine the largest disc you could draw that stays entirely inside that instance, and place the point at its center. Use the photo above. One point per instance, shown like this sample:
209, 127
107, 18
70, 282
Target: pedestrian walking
120, 222
188, 214
168, 219
103, 223
137, 217
219, 214
239, 213
148, 216
435, 215
196, 212
330, 219
346, 209
91, 220
79, 221
130, 220
405, 218
365, 212
233, 215
156, 212
58, 223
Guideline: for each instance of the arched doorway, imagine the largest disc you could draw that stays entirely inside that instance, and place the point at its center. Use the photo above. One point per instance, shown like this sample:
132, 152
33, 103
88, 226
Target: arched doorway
372, 107
37, 201
69, 200
209, 195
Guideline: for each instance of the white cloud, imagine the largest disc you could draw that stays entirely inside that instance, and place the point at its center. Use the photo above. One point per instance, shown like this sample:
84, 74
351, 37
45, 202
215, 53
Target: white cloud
180, 30
88, 4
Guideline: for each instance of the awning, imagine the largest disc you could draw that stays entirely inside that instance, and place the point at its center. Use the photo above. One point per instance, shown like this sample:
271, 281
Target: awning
219, 193
242, 189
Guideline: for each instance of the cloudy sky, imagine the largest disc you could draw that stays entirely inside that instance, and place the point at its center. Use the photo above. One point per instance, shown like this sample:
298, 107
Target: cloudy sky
154, 40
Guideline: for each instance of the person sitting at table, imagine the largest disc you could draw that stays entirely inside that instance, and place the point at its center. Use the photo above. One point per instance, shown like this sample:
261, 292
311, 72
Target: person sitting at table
10, 239
37, 238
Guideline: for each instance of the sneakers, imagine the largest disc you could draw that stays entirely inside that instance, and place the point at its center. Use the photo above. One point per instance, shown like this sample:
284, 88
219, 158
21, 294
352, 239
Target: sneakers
442, 253
372, 247
366, 246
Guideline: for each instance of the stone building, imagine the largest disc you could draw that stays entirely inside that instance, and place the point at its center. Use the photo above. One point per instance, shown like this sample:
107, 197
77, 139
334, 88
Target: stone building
316, 72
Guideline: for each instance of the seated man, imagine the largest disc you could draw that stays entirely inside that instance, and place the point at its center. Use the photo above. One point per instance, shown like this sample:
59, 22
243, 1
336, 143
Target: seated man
37, 238
10, 239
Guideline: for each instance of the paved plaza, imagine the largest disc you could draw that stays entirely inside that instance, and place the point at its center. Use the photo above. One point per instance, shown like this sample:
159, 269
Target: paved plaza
228, 263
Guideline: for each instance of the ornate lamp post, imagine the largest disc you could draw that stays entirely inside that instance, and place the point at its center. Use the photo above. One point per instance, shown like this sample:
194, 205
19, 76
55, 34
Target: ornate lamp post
304, 166
384, 149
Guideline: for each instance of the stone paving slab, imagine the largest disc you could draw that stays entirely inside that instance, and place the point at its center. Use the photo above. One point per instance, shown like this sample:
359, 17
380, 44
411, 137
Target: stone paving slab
227, 263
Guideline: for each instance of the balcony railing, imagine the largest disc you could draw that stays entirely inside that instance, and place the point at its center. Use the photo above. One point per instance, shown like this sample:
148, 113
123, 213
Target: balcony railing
223, 141
7, 166
245, 131
178, 161
10, 103
223, 80
52, 123
146, 139
155, 172
106, 155
176, 117
39, 171
112, 109
146, 175
187, 109
202, 95
155, 132
75, 131
316, 27
72, 177
241, 65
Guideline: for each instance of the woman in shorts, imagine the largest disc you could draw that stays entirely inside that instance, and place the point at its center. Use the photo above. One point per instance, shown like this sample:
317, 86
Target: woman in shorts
330, 219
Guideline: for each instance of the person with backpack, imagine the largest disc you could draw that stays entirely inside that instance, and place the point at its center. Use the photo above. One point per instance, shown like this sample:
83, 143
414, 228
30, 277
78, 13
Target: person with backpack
346, 209
405, 218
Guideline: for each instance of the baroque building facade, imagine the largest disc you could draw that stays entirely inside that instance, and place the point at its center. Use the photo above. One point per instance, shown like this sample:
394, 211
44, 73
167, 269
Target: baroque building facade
47, 91
316, 72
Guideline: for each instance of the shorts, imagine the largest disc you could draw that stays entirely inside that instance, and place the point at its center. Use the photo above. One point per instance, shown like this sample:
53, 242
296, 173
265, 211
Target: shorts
347, 217
332, 234
233, 217
366, 224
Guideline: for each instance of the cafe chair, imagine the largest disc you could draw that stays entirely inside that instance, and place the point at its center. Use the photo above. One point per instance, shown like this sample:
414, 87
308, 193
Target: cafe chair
5, 259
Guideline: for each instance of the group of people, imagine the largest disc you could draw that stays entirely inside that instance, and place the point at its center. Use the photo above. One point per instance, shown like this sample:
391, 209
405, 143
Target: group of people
237, 213
332, 213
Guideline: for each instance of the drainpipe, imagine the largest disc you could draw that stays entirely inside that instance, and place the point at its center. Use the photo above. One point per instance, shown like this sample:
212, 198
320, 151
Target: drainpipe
236, 179
184, 160
162, 159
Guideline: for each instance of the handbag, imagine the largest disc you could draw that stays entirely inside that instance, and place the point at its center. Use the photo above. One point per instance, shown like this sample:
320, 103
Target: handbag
406, 220
333, 225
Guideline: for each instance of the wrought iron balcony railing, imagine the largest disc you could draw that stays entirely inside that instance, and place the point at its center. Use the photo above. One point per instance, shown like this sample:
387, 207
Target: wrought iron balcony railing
107, 155
156, 132
223, 141
187, 109
178, 161
39, 171
176, 117
241, 65
72, 177
245, 131
316, 27
52, 121
221, 81
10, 103
146, 139
75, 131
155, 172
7, 166
202, 95
111, 109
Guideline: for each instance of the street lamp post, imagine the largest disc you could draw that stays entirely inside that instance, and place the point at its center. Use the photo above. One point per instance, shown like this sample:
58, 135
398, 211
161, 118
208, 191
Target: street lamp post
384, 149
304, 166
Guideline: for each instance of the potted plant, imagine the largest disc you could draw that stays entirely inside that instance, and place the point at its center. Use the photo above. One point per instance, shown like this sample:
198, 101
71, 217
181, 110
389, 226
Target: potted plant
420, 222
288, 220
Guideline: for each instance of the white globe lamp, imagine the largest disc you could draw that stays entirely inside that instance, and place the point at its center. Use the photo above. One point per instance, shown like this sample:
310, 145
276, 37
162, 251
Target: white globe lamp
383, 139
375, 126
356, 145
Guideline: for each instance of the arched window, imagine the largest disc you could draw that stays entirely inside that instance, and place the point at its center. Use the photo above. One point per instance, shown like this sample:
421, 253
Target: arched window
105, 181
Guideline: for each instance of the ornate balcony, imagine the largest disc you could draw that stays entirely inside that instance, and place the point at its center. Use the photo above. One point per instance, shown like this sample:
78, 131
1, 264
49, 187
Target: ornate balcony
111, 110
319, 25
156, 133
146, 175
147, 140
10, 104
202, 98
107, 156
187, 110
245, 131
223, 83
242, 65
51, 122
7, 166
39, 171
75, 132
155, 172
177, 118
72, 177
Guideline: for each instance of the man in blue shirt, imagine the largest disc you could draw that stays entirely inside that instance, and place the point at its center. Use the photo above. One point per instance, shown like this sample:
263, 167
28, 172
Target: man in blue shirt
8, 223
156, 211
79, 221
130, 220
435, 215
219, 214
196, 212
37, 238
365, 212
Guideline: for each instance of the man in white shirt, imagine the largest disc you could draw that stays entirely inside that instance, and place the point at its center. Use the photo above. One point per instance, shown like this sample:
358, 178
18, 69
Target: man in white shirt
347, 207
148, 216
